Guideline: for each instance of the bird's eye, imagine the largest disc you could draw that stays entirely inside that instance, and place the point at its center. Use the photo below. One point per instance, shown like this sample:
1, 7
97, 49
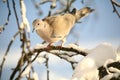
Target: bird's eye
38, 24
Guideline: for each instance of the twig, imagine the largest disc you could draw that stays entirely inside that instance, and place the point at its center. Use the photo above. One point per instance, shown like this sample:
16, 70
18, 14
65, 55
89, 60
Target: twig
20, 63
25, 24
113, 2
47, 66
66, 8
8, 17
20, 73
37, 7
82, 1
15, 12
6, 53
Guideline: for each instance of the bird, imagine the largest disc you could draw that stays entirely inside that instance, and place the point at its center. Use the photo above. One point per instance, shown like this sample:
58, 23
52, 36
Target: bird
57, 27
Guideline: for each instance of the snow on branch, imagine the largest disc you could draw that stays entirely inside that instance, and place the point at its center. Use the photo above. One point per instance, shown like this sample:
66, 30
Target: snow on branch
25, 68
99, 64
32, 55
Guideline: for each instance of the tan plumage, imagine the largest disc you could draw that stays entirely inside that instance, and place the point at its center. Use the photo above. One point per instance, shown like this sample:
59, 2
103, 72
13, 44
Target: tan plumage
55, 28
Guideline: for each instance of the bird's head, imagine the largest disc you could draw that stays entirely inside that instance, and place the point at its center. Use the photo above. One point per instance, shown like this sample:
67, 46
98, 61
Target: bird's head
37, 23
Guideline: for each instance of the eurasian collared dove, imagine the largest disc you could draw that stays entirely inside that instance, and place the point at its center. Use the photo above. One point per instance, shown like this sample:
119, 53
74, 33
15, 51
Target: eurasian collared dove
56, 28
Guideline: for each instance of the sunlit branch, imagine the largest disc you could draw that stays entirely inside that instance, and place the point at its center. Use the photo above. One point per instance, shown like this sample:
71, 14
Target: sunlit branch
27, 57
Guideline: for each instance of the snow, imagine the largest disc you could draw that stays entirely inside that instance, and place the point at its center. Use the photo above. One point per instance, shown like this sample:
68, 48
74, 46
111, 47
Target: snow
35, 76
25, 21
40, 59
27, 70
87, 67
118, 53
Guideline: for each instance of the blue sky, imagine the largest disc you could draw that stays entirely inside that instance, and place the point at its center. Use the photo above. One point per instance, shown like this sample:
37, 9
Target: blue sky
100, 26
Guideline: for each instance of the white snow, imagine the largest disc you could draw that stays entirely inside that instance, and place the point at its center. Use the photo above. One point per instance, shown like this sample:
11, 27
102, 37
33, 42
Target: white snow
87, 67
118, 53
35, 76
25, 21
40, 59
27, 70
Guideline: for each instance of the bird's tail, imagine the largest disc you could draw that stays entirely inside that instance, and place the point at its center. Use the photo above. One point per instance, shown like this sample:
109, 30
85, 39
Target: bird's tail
81, 13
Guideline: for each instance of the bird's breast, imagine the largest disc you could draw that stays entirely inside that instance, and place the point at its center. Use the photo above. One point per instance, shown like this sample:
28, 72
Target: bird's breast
46, 35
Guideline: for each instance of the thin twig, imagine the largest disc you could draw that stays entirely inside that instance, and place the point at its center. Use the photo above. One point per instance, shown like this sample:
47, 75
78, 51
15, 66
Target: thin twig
37, 7
15, 12
113, 2
8, 17
20, 63
20, 73
47, 66
66, 8
6, 53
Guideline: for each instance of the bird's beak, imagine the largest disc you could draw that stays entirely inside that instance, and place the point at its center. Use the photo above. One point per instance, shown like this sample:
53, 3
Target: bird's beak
92, 10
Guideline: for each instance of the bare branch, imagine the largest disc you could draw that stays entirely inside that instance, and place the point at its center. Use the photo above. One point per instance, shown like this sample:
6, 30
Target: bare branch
47, 66
9, 13
114, 2
15, 12
6, 53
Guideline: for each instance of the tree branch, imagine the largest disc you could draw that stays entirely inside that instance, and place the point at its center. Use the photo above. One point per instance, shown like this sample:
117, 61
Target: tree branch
6, 53
27, 57
8, 17
114, 2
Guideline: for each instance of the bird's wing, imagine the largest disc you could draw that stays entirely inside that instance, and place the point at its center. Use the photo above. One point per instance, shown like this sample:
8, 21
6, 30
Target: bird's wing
61, 24
52, 21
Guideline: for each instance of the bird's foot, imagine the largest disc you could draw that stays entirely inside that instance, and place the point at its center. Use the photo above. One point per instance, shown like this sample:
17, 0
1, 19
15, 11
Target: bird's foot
48, 47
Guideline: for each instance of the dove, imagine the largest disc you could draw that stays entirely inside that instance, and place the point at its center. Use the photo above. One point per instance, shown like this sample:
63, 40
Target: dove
56, 28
